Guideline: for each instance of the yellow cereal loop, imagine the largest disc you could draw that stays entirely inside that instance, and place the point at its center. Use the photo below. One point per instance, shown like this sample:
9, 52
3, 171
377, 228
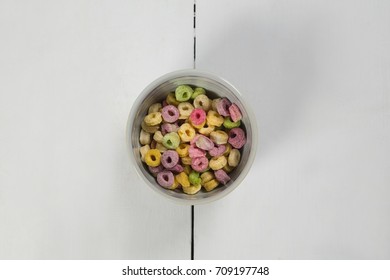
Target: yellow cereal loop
153, 157
185, 109
144, 137
228, 149
210, 185
143, 150
219, 137
187, 169
161, 147
158, 137
156, 107
228, 168
171, 100
186, 132
202, 101
186, 160
149, 129
153, 119
175, 185
182, 150
199, 126
182, 179
206, 176
206, 130
192, 189
214, 119
234, 157
217, 162
214, 104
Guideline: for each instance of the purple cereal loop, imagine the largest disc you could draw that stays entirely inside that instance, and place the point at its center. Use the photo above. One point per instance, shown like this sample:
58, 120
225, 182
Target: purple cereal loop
165, 179
194, 152
176, 169
170, 113
204, 143
169, 159
199, 164
223, 107
169, 127
155, 170
237, 137
221, 176
235, 112
217, 151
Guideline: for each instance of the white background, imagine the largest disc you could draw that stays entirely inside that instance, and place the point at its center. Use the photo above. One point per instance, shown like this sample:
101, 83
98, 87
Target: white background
317, 74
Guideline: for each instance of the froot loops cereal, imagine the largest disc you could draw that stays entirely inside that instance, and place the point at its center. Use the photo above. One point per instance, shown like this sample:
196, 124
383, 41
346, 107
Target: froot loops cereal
190, 141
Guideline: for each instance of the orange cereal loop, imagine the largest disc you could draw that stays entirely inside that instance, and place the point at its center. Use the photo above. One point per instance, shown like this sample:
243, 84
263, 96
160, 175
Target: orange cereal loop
153, 158
182, 150
210, 185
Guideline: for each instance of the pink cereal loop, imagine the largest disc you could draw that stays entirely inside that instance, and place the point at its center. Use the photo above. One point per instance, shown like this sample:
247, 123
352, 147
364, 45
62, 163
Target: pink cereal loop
197, 116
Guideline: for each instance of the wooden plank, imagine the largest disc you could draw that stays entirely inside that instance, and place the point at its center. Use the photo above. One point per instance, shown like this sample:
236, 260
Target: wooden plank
317, 74
70, 72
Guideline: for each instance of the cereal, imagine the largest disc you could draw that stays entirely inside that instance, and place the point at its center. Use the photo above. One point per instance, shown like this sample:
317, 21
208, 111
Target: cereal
171, 140
194, 178
182, 150
202, 101
170, 113
186, 132
192, 189
144, 137
153, 157
143, 150
169, 159
200, 164
210, 185
191, 143
237, 137
221, 176
197, 117
234, 157
165, 179
222, 107
183, 180
198, 91
183, 93
235, 112
218, 162
185, 109
219, 137
229, 124
158, 137
171, 100
156, 107
153, 119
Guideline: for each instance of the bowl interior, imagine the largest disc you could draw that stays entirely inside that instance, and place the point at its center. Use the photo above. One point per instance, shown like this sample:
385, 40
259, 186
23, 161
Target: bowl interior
215, 87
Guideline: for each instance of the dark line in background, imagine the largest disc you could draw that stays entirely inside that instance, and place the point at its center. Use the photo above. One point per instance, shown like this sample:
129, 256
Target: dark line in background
192, 231
192, 206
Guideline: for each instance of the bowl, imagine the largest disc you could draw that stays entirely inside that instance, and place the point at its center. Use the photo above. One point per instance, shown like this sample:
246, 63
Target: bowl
215, 87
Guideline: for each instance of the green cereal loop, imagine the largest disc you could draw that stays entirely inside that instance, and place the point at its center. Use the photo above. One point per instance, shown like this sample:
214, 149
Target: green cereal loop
198, 91
183, 93
229, 124
171, 140
194, 178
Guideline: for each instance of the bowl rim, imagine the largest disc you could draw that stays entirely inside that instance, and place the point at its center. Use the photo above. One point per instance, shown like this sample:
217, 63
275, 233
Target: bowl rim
235, 91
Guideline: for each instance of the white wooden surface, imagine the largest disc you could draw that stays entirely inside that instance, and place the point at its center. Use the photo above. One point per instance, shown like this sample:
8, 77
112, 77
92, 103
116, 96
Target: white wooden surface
69, 73
318, 76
